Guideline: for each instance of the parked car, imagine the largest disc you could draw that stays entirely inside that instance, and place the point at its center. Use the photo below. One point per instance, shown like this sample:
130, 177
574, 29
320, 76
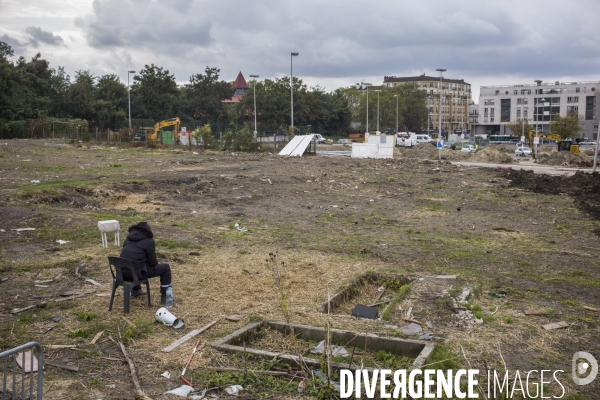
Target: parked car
469, 148
523, 151
320, 139
414, 140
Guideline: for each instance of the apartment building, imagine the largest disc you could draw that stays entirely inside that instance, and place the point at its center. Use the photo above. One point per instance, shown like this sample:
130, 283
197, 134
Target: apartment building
539, 103
454, 93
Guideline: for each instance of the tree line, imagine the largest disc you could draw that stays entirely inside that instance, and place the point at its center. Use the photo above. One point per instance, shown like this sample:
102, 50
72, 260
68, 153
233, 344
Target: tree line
34, 90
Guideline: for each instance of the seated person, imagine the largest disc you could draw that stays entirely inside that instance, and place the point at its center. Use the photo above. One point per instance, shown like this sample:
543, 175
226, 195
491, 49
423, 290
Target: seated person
139, 248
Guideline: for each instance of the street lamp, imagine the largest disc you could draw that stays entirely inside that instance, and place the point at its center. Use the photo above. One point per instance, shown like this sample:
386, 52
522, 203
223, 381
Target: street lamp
129, 98
378, 112
428, 113
396, 96
441, 71
367, 84
255, 132
292, 86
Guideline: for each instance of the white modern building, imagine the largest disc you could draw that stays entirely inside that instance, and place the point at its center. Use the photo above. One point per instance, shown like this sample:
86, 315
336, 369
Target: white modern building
539, 103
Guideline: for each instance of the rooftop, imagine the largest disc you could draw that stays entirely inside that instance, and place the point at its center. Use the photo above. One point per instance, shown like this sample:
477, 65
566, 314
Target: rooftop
543, 84
422, 78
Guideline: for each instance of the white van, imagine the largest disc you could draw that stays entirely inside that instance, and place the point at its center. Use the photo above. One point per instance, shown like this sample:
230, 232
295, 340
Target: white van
413, 140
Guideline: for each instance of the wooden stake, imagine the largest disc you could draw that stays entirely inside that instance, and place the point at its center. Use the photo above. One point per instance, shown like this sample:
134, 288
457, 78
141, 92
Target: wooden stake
227, 369
136, 382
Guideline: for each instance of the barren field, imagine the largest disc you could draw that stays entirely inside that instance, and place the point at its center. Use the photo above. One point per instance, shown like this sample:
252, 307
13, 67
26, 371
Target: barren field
515, 241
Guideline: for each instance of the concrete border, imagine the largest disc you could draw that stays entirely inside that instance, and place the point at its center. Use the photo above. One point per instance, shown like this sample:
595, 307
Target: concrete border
417, 349
347, 292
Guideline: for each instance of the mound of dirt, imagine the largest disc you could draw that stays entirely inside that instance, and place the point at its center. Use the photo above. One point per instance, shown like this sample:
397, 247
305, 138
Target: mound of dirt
427, 151
492, 155
583, 187
564, 158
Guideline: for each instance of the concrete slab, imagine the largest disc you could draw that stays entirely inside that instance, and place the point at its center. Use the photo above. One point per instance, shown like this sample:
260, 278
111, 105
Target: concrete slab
417, 349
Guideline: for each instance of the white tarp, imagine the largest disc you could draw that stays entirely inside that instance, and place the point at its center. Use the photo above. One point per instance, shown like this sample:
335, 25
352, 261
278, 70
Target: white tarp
297, 146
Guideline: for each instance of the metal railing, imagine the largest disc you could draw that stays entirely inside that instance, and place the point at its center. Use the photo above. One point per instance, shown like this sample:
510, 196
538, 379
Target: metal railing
14, 387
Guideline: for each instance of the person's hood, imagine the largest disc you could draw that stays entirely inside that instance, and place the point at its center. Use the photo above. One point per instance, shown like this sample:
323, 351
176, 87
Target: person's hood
137, 233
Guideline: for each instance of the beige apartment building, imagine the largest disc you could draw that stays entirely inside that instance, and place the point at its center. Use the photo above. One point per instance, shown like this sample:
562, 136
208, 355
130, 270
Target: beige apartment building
454, 93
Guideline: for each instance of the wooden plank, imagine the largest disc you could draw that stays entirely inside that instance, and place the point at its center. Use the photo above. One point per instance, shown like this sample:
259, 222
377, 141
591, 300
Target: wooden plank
413, 320
26, 364
70, 297
234, 318
227, 369
59, 346
18, 310
541, 312
73, 368
131, 324
590, 308
95, 339
555, 325
187, 337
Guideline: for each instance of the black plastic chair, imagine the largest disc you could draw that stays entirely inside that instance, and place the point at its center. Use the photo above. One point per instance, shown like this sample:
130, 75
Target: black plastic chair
116, 265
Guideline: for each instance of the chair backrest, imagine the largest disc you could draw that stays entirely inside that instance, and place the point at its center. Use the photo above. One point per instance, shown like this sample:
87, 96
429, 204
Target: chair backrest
116, 269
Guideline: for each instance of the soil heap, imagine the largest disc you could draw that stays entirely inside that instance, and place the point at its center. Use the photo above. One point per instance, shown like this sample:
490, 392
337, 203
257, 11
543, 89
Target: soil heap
564, 158
492, 155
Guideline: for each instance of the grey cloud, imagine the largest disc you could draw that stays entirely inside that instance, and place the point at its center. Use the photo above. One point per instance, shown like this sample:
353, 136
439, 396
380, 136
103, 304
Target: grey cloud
17, 46
40, 36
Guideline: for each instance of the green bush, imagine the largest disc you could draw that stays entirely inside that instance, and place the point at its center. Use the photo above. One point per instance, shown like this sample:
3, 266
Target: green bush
205, 136
239, 140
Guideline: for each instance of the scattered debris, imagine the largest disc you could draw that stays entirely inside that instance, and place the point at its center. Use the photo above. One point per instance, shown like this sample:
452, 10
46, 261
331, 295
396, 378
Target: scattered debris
250, 273
23, 229
47, 329
542, 312
62, 241
95, 339
335, 350
257, 372
68, 367
113, 386
26, 363
164, 316
166, 374
446, 276
131, 324
302, 386
187, 337
78, 273
136, 382
34, 180
362, 311
590, 308
426, 336
59, 346
234, 318
182, 391
18, 310
319, 374
234, 389
411, 329
182, 376
555, 325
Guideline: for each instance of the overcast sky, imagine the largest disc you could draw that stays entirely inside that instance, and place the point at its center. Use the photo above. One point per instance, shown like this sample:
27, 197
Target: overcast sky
340, 42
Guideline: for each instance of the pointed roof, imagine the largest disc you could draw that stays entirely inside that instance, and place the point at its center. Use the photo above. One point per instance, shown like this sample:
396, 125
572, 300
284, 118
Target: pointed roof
240, 82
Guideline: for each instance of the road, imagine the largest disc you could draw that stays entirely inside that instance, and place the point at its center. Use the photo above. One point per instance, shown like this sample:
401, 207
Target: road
527, 165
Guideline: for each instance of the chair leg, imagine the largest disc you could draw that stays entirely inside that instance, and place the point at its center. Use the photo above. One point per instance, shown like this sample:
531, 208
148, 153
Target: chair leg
112, 296
148, 291
126, 298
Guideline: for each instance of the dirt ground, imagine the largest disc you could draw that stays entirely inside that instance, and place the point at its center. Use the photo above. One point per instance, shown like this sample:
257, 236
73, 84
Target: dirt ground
516, 241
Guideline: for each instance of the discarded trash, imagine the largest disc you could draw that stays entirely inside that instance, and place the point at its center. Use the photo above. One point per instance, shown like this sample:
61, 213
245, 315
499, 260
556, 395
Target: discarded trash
426, 336
380, 289
234, 318
166, 374
27, 364
23, 229
163, 315
319, 374
240, 228
195, 153
234, 389
62, 241
411, 329
182, 391
194, 212
335, 350
555, 325
198, 396
111, 386
500, 294
363, 311
55, 319
35, 181
302, 386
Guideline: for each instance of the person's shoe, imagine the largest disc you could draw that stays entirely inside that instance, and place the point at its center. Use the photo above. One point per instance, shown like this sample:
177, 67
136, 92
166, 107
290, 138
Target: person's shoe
138, 293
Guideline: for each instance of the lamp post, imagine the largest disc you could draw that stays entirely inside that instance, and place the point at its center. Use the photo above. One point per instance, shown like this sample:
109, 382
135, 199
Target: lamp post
441, 71
255, 132
129, 98
428, 113
377, 112
292, 87
367, 84
396, 96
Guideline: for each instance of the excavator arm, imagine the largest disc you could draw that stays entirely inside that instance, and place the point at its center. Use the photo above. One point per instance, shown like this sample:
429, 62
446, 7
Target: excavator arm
175, 122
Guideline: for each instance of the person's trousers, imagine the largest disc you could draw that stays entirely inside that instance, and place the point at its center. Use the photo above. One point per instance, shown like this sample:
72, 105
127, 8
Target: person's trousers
161, 270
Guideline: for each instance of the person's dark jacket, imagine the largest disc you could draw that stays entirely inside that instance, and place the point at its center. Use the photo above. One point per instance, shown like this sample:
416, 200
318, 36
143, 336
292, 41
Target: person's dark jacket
139, 248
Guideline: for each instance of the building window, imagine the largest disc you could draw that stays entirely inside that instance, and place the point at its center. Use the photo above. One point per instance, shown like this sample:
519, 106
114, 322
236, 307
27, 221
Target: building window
492, 112
515, 92
485, 112
574, 99
525, 113
589, 107
577, 90
505, 110
518, 113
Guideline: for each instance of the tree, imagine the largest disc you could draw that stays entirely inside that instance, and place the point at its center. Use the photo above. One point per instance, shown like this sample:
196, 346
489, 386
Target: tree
153, 93
518, 129
206, 94
81, 95
565, 127
111, 101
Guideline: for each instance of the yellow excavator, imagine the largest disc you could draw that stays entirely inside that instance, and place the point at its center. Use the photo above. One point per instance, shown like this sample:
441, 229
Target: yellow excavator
156, 134
563, 144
